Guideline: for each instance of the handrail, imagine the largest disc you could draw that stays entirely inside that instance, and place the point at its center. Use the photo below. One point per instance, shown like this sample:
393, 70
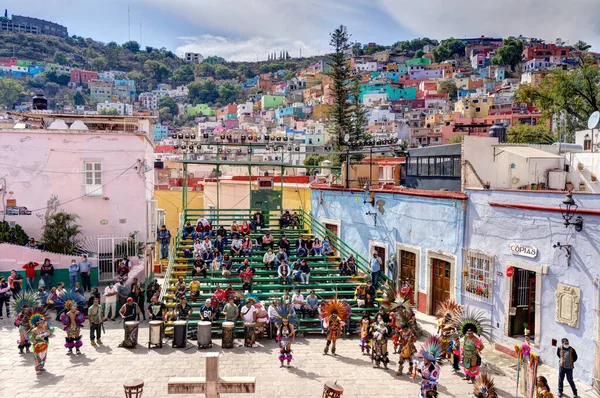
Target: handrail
172, 256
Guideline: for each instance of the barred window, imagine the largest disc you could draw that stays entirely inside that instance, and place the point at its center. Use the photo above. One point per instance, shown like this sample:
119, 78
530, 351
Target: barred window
478, 273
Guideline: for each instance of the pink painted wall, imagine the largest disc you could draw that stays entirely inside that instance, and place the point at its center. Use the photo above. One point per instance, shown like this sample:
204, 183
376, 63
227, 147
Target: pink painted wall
35, 164
13, 257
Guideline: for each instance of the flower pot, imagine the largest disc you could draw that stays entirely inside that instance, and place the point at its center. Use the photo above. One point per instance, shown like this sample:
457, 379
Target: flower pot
526, 332
579, 166
582, 186
569, 186
594, 178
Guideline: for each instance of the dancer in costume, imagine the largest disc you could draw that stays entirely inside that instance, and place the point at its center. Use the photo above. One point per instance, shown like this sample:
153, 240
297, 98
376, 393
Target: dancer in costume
334, 311
39, 334
63, 302
407, 349
73, 321
484, 387
454, 348
22, 305
365, 333
380, 342
446, 312
471, 324
430, 368
286, 322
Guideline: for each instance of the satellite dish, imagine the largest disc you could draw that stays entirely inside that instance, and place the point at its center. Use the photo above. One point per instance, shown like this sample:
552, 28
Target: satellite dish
347, 137
593, 120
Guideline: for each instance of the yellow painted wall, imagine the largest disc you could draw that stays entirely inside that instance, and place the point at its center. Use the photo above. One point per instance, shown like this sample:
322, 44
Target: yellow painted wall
296, 198
171, 201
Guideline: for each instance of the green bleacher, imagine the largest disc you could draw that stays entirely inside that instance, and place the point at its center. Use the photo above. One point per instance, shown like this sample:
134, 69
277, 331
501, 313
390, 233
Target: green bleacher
325, 279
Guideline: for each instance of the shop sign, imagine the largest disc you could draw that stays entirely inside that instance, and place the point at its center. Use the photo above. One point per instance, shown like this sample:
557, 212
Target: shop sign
523, 250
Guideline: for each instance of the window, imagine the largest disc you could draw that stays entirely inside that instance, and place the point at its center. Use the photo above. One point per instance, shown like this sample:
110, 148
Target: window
478, 273
478, 109
93, 178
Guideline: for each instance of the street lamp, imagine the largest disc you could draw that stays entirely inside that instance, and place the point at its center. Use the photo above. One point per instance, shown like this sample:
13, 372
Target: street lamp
568, 208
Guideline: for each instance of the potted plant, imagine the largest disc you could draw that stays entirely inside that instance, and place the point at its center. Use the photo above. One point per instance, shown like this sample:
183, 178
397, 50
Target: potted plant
594, 178
569, 186
465, 272
534, 187
582, 186
487, 185
526, 326
579, 166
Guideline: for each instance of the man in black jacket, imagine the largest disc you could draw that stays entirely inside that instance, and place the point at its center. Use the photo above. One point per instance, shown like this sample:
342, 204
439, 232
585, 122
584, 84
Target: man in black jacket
567, 358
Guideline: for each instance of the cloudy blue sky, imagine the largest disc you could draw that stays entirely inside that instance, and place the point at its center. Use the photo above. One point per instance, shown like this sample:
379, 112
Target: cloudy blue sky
245, 29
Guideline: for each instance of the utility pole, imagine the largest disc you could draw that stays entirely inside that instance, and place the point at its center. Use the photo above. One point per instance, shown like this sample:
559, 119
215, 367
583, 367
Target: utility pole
140, 35
129, 22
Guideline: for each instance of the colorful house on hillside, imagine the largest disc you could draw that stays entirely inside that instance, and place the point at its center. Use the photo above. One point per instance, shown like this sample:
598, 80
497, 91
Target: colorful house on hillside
80, 76
200, 109
418, 61
160, 132
227, 112
393, 93
271, 101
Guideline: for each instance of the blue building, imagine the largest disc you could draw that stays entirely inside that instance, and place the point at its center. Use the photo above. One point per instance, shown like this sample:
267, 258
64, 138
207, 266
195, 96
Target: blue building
160, 132
552, 295
418, 233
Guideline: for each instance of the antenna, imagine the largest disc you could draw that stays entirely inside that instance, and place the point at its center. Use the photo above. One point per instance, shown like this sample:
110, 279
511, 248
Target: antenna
129, 22
140, 35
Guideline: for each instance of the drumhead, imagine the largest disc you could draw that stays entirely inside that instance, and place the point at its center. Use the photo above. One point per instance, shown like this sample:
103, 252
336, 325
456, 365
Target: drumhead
156, 322
228, 324
131, 323
180, 323
204, 323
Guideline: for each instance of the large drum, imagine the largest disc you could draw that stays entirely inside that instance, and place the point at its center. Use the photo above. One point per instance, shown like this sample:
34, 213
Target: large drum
131, 334
155, 334
249, 334
180, 334
332, 389
228, 332
204, 334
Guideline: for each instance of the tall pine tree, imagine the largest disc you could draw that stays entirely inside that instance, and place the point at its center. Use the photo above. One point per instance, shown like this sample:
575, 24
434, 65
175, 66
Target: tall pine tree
341, 113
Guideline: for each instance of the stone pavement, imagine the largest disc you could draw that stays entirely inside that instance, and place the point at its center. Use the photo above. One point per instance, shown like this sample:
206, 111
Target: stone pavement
101, 371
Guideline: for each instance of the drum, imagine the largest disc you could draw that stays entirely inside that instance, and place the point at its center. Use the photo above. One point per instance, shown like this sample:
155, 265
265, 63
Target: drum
131, 334
204, 334
228, 332
180, 334
155, 333
250, 334
332, 390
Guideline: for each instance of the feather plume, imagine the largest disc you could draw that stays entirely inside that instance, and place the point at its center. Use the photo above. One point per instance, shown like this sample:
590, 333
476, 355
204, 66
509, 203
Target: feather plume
448, 308
475, 319
336, 305
38, 313
484, 386
67, 298
25, 298
432, 349
285, 312
392, 299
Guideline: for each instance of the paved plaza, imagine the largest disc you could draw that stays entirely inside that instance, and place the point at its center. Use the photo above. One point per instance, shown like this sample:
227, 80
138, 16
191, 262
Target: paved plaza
101, 371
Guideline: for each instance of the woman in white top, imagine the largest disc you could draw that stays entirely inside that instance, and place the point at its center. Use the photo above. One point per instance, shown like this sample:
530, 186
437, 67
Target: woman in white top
269, 259
198, 247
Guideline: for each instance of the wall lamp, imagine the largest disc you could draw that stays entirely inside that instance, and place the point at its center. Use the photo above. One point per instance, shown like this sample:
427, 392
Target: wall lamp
567, 248
568, 208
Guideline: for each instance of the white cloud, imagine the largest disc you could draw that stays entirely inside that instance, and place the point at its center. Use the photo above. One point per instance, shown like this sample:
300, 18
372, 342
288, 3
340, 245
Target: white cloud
544, 19
247, 49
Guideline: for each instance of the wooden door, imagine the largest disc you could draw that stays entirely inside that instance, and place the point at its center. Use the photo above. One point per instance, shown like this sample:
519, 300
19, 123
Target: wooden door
440, 282
333, 228
381, 253
408, 267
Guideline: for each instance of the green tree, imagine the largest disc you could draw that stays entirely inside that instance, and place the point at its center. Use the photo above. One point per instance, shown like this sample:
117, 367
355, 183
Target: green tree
359, 114
572, 95
149, 49
582, 46
456, 139
528, 134
79, 99
168, 102
511, 53
448, 49
340, 114
313, 160
184, 74
15, 235
60, 58
99, 63
62, 79
414, 45
448, 87
204, 70
223, 73
157, 70
60, 229
9, 92
228, 93
203, 93
109, 112
112, 54
419, 54
165, 114
132, 46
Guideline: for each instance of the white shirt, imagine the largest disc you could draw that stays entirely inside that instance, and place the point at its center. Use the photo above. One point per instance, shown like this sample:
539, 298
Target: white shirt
236, 243
113, 298
272, 312
299, 298
248, 314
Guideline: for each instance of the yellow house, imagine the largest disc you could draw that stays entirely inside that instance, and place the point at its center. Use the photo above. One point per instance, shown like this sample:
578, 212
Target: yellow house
171, 202
474, 107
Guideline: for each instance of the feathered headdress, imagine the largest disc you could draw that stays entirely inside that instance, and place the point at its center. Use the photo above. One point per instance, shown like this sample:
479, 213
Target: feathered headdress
432, 349
37, 314
335, 305
484, 387
473, 319
393, 300
67, 298
23, 299
448, 308
285, 312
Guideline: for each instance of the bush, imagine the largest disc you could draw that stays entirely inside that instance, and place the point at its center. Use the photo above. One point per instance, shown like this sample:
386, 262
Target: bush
14, 235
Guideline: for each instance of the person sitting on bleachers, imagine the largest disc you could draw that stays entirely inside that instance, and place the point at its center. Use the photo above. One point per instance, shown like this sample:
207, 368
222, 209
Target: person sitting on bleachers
317, 247
267, 241
194, 289
204, 227
296, 270
285, 244
245, 228
269, 259
189, 231
285, 220
309, 247
295, 221
180, 288
352, 261
208, 256
246, 272
304, 272
234, 229
301, 247
247, 246
236, 246
198, 247
220, 243
217, 260
312, 304
327, 249
226, 265
281, 256
206, 244
344, 268
199, 267
283, 274
258, 220
365, 295
222, 232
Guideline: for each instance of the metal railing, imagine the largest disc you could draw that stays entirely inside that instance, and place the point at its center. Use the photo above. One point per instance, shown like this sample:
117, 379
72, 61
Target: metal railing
172, 258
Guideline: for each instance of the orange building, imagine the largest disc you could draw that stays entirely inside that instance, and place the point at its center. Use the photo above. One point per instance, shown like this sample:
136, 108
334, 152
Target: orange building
544, 50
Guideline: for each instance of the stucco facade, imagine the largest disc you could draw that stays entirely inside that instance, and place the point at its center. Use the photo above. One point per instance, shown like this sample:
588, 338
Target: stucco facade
490, 232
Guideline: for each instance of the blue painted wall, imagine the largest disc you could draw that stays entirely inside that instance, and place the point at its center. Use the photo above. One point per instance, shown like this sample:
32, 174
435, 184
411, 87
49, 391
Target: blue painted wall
492, 229
428, 223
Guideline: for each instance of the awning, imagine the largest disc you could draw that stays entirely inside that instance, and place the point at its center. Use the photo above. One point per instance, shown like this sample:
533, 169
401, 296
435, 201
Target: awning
527, 152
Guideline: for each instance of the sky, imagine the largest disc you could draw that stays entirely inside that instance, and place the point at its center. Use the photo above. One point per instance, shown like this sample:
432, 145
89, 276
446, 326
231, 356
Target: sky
246, 30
